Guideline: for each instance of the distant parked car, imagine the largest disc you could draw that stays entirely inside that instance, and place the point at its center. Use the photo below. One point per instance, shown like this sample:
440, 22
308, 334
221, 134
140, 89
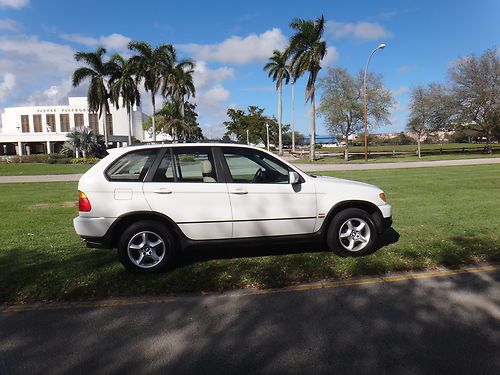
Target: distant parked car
152, 201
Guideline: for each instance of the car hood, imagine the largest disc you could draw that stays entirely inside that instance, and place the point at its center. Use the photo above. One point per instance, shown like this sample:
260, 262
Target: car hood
325, 184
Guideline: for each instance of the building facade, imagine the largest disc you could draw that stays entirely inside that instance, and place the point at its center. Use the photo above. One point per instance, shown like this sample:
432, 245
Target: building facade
44, 129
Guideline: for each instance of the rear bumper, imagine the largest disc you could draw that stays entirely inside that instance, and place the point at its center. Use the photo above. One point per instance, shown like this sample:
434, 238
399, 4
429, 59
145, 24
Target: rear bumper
94, 230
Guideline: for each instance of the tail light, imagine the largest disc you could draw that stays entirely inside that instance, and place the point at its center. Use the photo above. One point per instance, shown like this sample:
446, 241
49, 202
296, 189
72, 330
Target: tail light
83, 202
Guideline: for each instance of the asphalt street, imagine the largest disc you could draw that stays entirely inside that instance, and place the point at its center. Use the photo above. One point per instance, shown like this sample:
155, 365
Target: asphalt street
444, 324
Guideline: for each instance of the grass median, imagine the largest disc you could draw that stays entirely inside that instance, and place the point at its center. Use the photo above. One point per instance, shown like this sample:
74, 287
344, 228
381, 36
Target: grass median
444, 216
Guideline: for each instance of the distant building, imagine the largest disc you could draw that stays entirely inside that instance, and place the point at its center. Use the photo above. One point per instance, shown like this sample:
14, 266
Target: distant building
44, 129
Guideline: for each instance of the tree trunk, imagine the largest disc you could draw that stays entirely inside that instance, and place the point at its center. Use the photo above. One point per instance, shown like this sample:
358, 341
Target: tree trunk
280, 139
153, 119
106, 129
346, 151
312, 156
418, 146
488, 141
129, 128
293, 117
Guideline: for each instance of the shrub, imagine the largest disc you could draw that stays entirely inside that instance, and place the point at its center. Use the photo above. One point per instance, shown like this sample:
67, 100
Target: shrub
84, 160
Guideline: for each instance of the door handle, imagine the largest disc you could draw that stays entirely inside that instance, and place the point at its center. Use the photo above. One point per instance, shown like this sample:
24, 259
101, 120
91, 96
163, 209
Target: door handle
239, 192
162, 191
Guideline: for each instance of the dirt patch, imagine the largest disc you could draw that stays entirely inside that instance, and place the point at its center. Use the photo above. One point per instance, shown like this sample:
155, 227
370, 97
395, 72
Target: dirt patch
41, 206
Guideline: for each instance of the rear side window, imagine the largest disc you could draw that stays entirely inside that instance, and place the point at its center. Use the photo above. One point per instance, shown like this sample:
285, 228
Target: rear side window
132, 166
187, 164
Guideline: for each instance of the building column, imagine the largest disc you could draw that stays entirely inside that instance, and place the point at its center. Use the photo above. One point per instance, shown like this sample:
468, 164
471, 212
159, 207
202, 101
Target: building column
19, 148
48, 147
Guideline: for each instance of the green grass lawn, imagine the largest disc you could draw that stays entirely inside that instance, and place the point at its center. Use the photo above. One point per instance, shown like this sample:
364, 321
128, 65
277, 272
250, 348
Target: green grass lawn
359, 159
27, 169
444, 216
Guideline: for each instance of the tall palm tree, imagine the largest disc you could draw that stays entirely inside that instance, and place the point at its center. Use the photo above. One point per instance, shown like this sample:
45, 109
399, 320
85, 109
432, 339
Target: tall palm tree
123, 85
152, 64
96, 70
171, 121
278, 69
178, 85
307, 50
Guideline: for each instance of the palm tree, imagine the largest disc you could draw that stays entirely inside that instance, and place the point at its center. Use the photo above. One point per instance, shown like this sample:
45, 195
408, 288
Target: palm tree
308, 49
152, 64
123, 85
171, 121
96, 70
278, 69
178, 85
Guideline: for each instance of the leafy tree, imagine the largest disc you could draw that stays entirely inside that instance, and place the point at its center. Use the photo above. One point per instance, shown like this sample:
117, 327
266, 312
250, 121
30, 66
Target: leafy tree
255, 122
96, 71
178, 85
278, 69
420, 119
341, 103
153, 65
307, 49
476, 92
123, 85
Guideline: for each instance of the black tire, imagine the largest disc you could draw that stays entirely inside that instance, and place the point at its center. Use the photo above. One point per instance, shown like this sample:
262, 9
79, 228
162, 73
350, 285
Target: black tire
355, 216
154, 231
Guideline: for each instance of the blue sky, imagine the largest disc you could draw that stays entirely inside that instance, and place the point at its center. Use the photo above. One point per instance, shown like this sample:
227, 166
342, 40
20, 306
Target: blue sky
230, 41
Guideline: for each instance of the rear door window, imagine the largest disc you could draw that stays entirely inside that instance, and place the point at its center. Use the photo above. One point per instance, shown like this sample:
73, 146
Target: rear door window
187, 164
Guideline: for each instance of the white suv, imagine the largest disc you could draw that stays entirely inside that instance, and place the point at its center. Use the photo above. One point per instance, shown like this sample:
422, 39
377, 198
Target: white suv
152, 201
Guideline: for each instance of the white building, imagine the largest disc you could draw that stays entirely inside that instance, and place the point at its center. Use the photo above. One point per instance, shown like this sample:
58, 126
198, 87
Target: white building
44, 129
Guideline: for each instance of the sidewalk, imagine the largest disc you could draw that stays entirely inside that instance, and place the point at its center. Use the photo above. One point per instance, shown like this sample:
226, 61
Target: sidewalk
304, 167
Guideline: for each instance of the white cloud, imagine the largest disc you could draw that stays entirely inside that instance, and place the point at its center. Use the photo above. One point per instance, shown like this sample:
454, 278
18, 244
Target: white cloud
406, 68
55, 94
237, 50
331, 57
6, 85
34, 57
358, 30
37, 65
204, 76
9, 25
16, 4
401, 90
113, 41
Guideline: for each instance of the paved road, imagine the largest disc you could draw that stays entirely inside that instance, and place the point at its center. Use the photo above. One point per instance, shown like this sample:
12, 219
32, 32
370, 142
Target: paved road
304, 167
413, 164
40, 178
426, 325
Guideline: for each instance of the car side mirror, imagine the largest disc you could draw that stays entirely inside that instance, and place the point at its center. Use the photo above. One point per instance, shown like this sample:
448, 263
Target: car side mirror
294, 178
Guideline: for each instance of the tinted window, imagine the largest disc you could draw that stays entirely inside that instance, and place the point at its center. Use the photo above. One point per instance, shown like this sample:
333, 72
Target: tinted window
132, 166
248, 166
194, 164
165, 171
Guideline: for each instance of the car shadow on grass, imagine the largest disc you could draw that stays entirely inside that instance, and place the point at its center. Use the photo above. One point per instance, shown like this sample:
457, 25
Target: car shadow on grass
191, 256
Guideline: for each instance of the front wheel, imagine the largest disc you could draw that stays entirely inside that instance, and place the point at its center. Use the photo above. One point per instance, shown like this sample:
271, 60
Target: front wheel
146, 247
352, 233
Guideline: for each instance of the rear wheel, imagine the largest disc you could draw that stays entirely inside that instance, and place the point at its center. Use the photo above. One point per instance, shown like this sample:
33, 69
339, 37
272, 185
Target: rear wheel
146, 247
352, 233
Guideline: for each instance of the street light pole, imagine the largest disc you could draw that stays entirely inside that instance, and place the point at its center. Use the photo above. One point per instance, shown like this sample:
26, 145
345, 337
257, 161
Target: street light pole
381, 46
267, 131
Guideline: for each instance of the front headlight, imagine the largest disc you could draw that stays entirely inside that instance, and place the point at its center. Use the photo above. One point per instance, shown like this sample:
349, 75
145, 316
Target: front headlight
382, 196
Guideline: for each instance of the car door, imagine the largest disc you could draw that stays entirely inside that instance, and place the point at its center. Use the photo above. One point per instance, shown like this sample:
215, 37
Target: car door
185, 187
263, 202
